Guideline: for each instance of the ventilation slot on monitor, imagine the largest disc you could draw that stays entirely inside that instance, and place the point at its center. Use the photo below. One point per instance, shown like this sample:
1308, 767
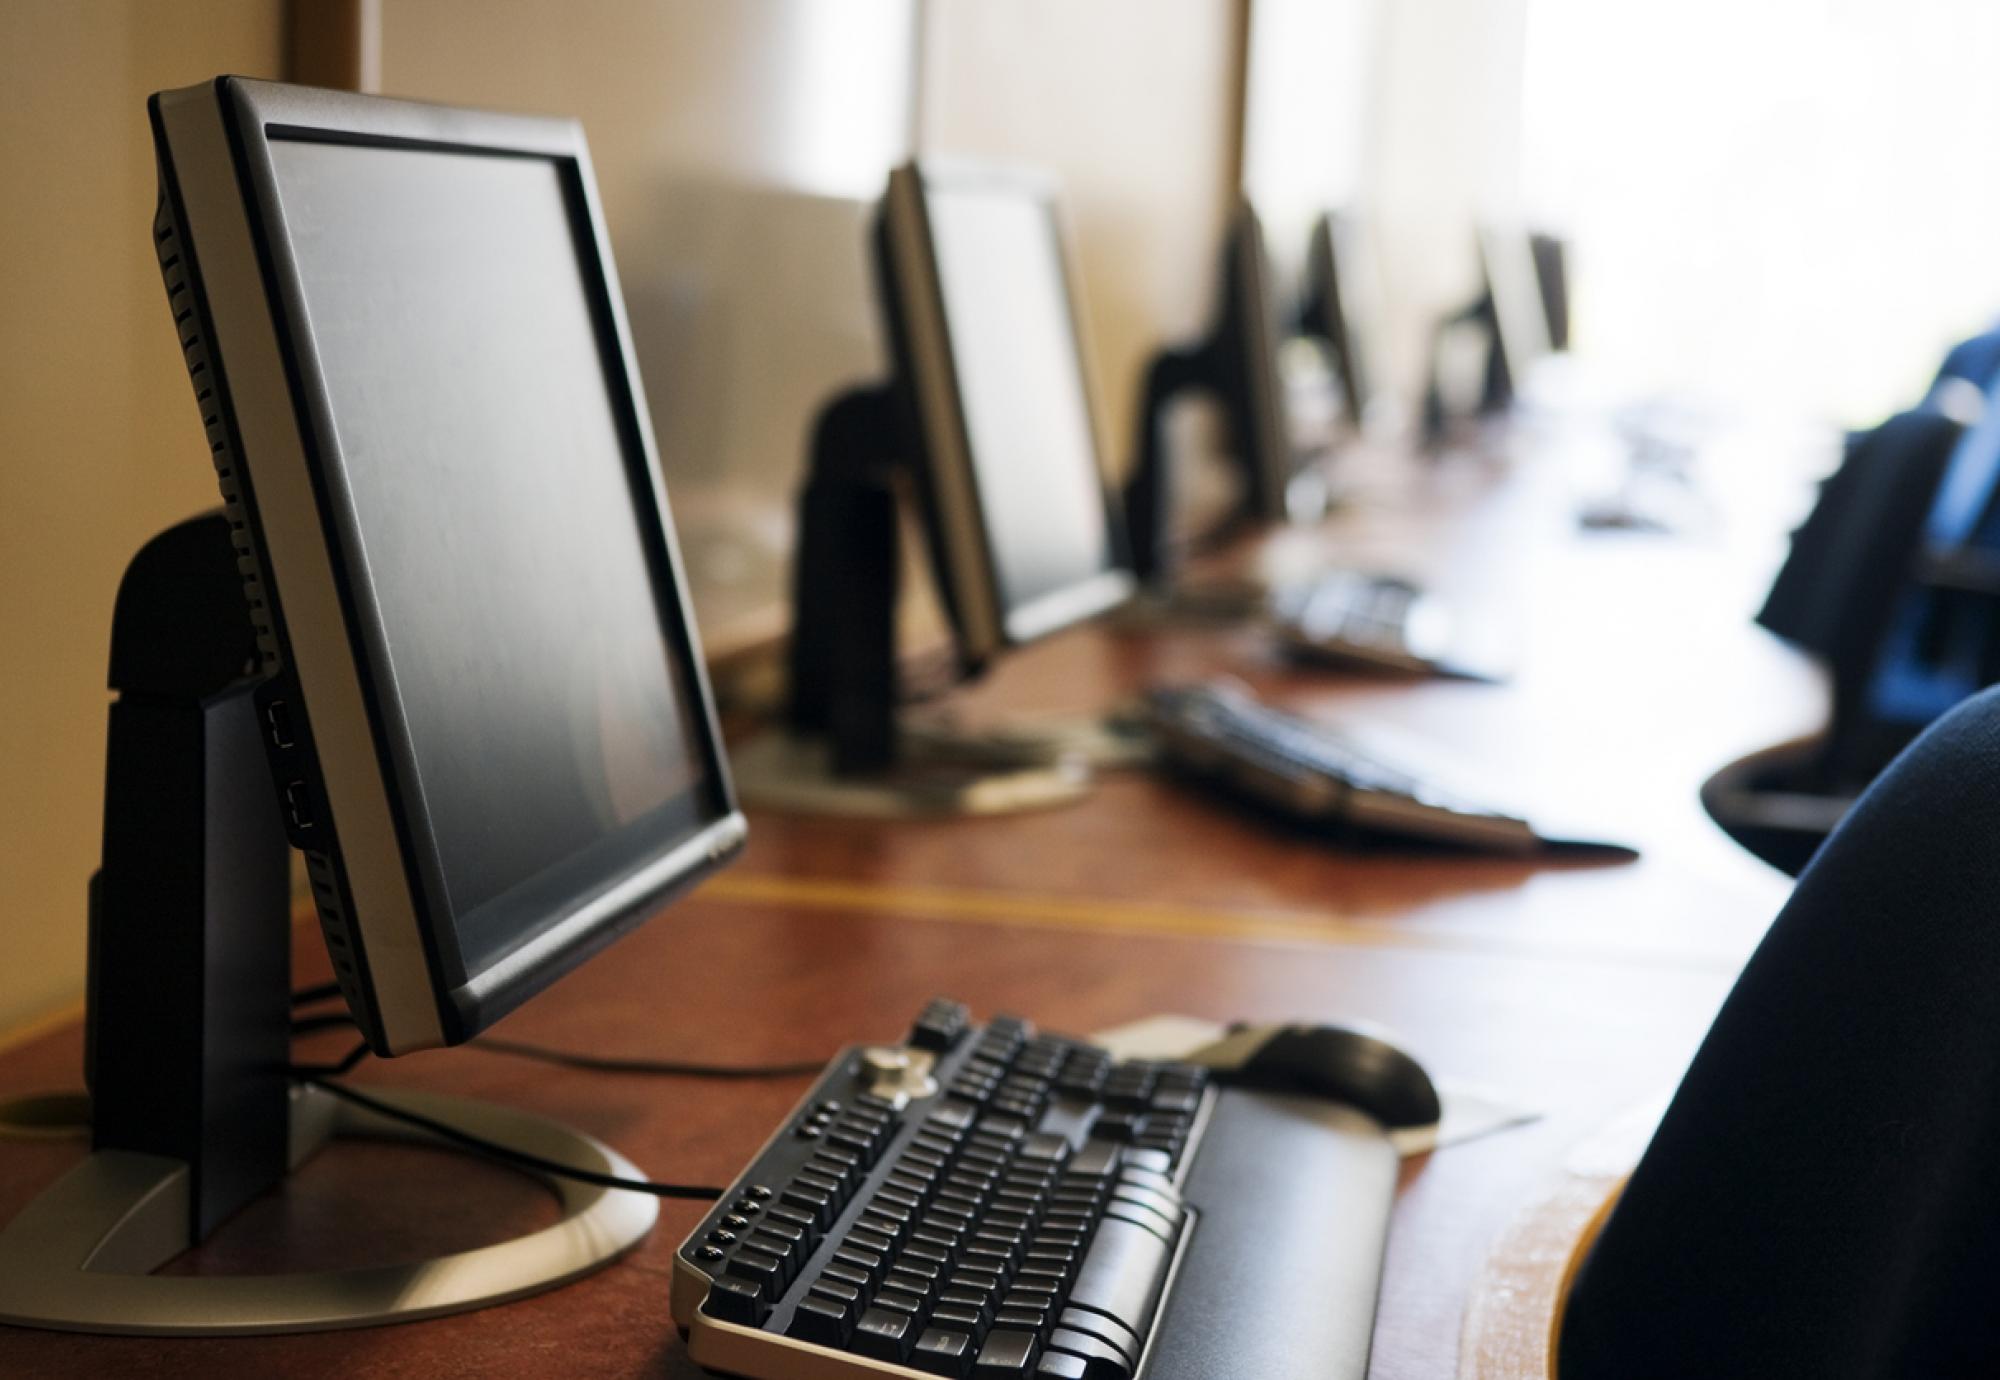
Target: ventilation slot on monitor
205, 377
341, 943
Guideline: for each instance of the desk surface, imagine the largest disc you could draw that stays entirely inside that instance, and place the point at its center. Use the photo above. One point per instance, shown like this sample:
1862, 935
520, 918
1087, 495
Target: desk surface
1581, 989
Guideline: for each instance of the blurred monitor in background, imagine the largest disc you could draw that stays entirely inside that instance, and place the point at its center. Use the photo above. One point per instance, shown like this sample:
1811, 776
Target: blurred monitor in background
1552, 277
1520, 321
1236, 364
1340, 305
1483, 354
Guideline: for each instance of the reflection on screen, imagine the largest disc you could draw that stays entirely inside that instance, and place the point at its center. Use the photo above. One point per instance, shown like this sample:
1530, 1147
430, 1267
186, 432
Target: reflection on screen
1021, 379
548, 736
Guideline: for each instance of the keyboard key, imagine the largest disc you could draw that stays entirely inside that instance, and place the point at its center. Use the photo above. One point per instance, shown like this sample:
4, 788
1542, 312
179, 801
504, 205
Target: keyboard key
840, 1291
1006, 1354
1022, 1319
792, 1217
941, 1025
1044, 1147
819, 1203
953, 1118
736, 1300
867, 1240
870, 1263
898, 1302
976, 1301
908, 1281
1098, 1159
765, 1271
1060, 1365
820, 1321
858, 1280
923, 1255
884, 1334
958, 1318
941, 1351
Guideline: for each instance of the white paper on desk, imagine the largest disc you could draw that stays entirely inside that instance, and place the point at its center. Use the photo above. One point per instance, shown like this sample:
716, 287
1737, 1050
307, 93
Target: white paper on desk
1469, 1111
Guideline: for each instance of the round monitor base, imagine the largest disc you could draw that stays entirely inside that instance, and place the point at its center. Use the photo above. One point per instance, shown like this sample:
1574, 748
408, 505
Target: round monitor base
1101, 742
78, 1258
776, 771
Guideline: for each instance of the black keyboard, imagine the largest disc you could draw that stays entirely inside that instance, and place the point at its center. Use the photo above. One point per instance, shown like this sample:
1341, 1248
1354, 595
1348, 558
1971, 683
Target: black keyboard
1218, 731
1000, 1202
1373, 619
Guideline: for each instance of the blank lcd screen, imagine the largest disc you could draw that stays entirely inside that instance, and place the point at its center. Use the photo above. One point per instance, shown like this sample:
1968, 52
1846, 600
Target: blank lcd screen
544, 733
1021, 382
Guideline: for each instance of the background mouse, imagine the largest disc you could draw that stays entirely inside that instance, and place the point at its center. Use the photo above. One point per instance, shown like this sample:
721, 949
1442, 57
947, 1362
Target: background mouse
1340, 1063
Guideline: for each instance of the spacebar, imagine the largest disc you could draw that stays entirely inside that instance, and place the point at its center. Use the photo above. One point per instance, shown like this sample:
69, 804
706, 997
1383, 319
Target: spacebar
1122, 1274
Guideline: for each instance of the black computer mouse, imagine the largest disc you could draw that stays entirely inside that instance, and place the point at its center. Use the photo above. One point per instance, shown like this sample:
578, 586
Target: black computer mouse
1339, 1063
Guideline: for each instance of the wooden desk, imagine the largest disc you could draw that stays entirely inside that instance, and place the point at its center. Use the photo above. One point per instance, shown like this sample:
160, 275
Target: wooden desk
1581, 990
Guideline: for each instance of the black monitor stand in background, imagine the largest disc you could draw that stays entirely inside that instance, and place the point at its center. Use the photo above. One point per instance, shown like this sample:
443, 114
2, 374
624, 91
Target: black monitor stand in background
194, 1109
1236, 364
1550, 257
847, 748
1496, 386
1552, 277
1149, 489
843, 681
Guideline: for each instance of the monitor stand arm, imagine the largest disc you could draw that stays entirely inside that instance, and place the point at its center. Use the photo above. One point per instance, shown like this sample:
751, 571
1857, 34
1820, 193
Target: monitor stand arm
1495, 387
1149, 489
845, 581
194, 1111
846, 750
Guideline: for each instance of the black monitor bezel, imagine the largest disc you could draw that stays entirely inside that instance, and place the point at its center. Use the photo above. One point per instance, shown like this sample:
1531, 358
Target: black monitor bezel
1249, 334
935, 431
1514, 354
1330, 310
255, 114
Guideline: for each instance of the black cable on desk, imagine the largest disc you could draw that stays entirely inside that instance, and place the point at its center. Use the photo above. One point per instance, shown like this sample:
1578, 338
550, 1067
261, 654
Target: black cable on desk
506, 1154
562, 1058
595, 1063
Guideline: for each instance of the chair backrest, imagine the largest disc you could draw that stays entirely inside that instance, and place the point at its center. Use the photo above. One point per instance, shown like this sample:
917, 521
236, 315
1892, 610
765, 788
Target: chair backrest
1853, 553
1821, 1196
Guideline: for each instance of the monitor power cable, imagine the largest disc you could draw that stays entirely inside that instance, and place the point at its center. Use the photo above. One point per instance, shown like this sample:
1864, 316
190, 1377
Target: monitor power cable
562, 1058
324, 1077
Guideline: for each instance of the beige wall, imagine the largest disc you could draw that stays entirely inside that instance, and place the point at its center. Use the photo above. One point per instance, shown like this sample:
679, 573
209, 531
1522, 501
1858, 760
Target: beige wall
738, 150
100, 446
793, 93
1444, 151
1133, 104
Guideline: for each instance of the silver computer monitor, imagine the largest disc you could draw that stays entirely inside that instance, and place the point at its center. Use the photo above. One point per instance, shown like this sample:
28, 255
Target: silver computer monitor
985, 328
1341, 307
496, 745
1521, 323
